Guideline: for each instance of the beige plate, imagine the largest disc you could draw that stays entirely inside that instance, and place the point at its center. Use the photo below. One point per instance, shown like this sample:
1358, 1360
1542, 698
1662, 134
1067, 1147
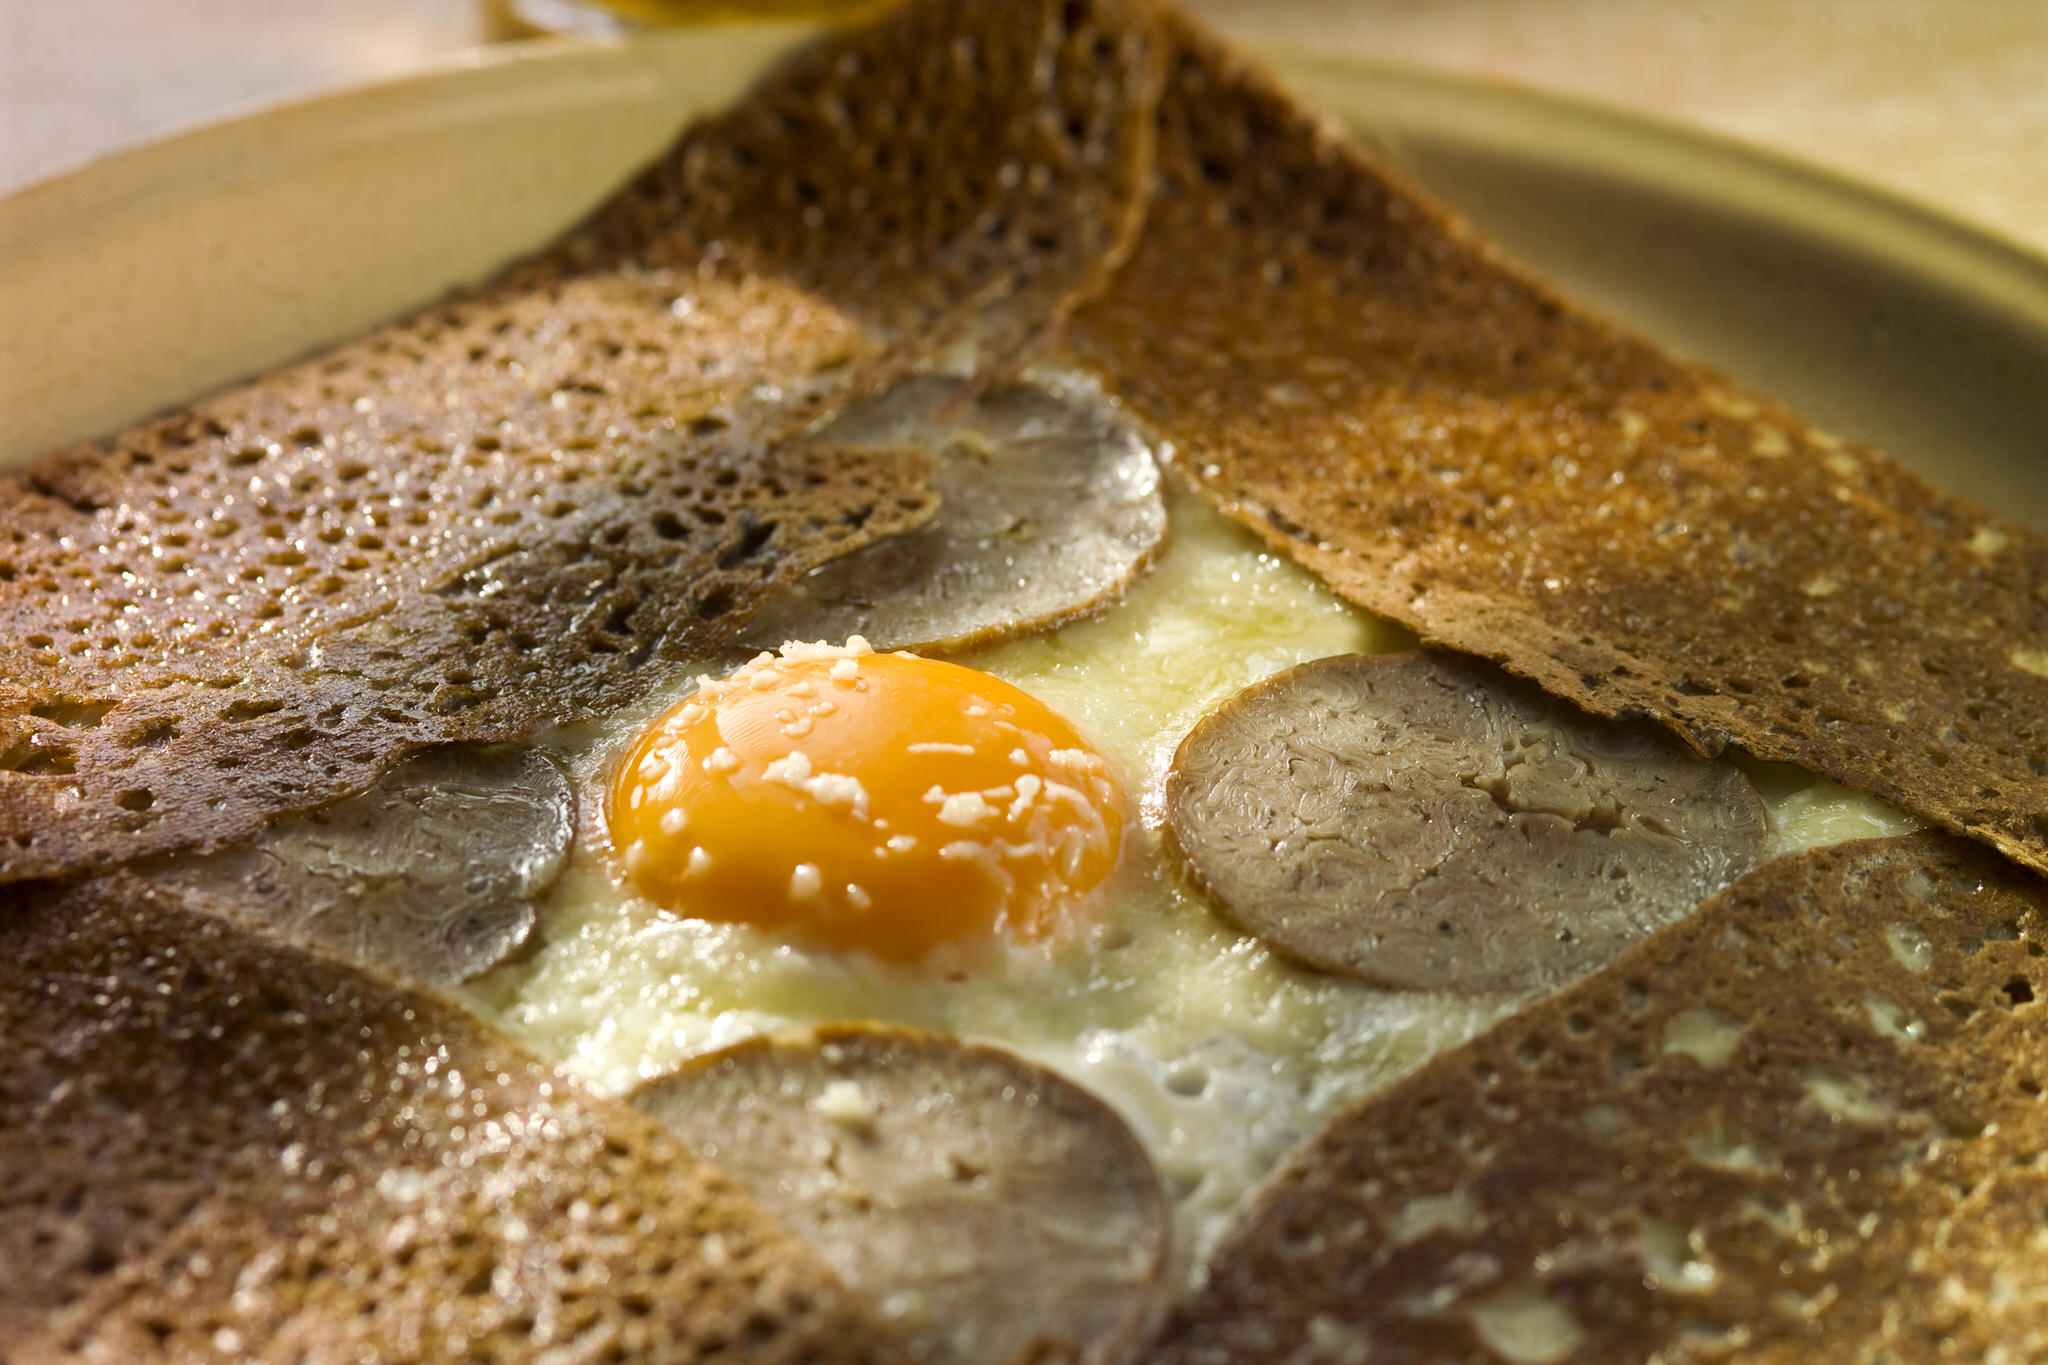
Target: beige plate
152, 276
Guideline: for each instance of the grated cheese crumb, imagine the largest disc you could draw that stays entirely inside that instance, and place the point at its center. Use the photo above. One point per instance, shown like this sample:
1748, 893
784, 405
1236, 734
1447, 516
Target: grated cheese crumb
961, 810
839, 789
793, 770
846, 1104
1028, 787
800, 651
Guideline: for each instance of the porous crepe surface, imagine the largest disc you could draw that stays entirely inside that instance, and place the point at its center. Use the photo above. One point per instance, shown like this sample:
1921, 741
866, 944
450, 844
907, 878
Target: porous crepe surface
969, 169
1806, 1124
535, 499
215, 1144
453, 529
1449, 444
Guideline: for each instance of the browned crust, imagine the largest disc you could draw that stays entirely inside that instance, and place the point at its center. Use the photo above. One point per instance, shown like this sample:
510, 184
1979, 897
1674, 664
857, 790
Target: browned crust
1447, 443
1553, 1150
514, 508
956, 171
211, 1136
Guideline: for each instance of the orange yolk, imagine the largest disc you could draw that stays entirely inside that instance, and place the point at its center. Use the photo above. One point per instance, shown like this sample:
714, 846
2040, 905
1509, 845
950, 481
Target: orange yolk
881, 802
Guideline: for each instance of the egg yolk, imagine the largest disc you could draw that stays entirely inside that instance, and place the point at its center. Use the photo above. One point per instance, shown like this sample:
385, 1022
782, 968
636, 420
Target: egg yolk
881, 802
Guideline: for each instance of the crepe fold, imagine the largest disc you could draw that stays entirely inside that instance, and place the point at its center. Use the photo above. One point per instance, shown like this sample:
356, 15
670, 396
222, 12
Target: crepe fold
1804, 1124
1449, 444
542, 497
214, 1144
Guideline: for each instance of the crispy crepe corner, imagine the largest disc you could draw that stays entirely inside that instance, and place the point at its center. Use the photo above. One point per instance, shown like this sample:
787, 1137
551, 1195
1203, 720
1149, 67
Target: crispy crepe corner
1804, 1124
216, 1142
1449, 444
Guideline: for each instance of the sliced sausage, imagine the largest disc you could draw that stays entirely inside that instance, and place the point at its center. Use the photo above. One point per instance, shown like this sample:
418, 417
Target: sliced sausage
435, 871
1424, 821
1049, 506
995, 1211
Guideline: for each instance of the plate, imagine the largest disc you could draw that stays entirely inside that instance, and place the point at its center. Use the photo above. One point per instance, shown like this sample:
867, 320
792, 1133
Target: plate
147, 278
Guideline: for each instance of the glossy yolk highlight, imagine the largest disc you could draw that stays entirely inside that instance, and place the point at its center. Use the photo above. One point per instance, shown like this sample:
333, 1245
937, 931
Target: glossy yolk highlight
882, 802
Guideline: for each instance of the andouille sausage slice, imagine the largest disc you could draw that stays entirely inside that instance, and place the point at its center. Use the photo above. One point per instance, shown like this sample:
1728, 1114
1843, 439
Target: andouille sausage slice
435, 871
995, 1211
1049, 506
1425, 821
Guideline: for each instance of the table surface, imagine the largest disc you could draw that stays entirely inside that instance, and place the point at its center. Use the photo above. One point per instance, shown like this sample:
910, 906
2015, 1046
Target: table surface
1945, 101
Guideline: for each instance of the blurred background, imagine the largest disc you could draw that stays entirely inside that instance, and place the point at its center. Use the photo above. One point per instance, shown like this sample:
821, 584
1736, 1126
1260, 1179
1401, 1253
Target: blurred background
1943, 100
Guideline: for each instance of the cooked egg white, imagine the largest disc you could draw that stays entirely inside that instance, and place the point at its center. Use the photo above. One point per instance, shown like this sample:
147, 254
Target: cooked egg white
1219, 1054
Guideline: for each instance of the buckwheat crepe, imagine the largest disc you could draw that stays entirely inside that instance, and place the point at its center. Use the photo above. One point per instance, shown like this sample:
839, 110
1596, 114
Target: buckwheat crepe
537, 499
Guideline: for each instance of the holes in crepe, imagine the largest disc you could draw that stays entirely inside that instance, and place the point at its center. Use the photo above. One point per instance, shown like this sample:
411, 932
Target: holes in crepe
135, 800
74, 715
753, 540
2018, 991
39, 760
715, 603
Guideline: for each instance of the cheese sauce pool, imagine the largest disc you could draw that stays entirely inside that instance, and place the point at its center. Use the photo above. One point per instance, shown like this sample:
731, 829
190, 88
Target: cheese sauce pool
1219, 1054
